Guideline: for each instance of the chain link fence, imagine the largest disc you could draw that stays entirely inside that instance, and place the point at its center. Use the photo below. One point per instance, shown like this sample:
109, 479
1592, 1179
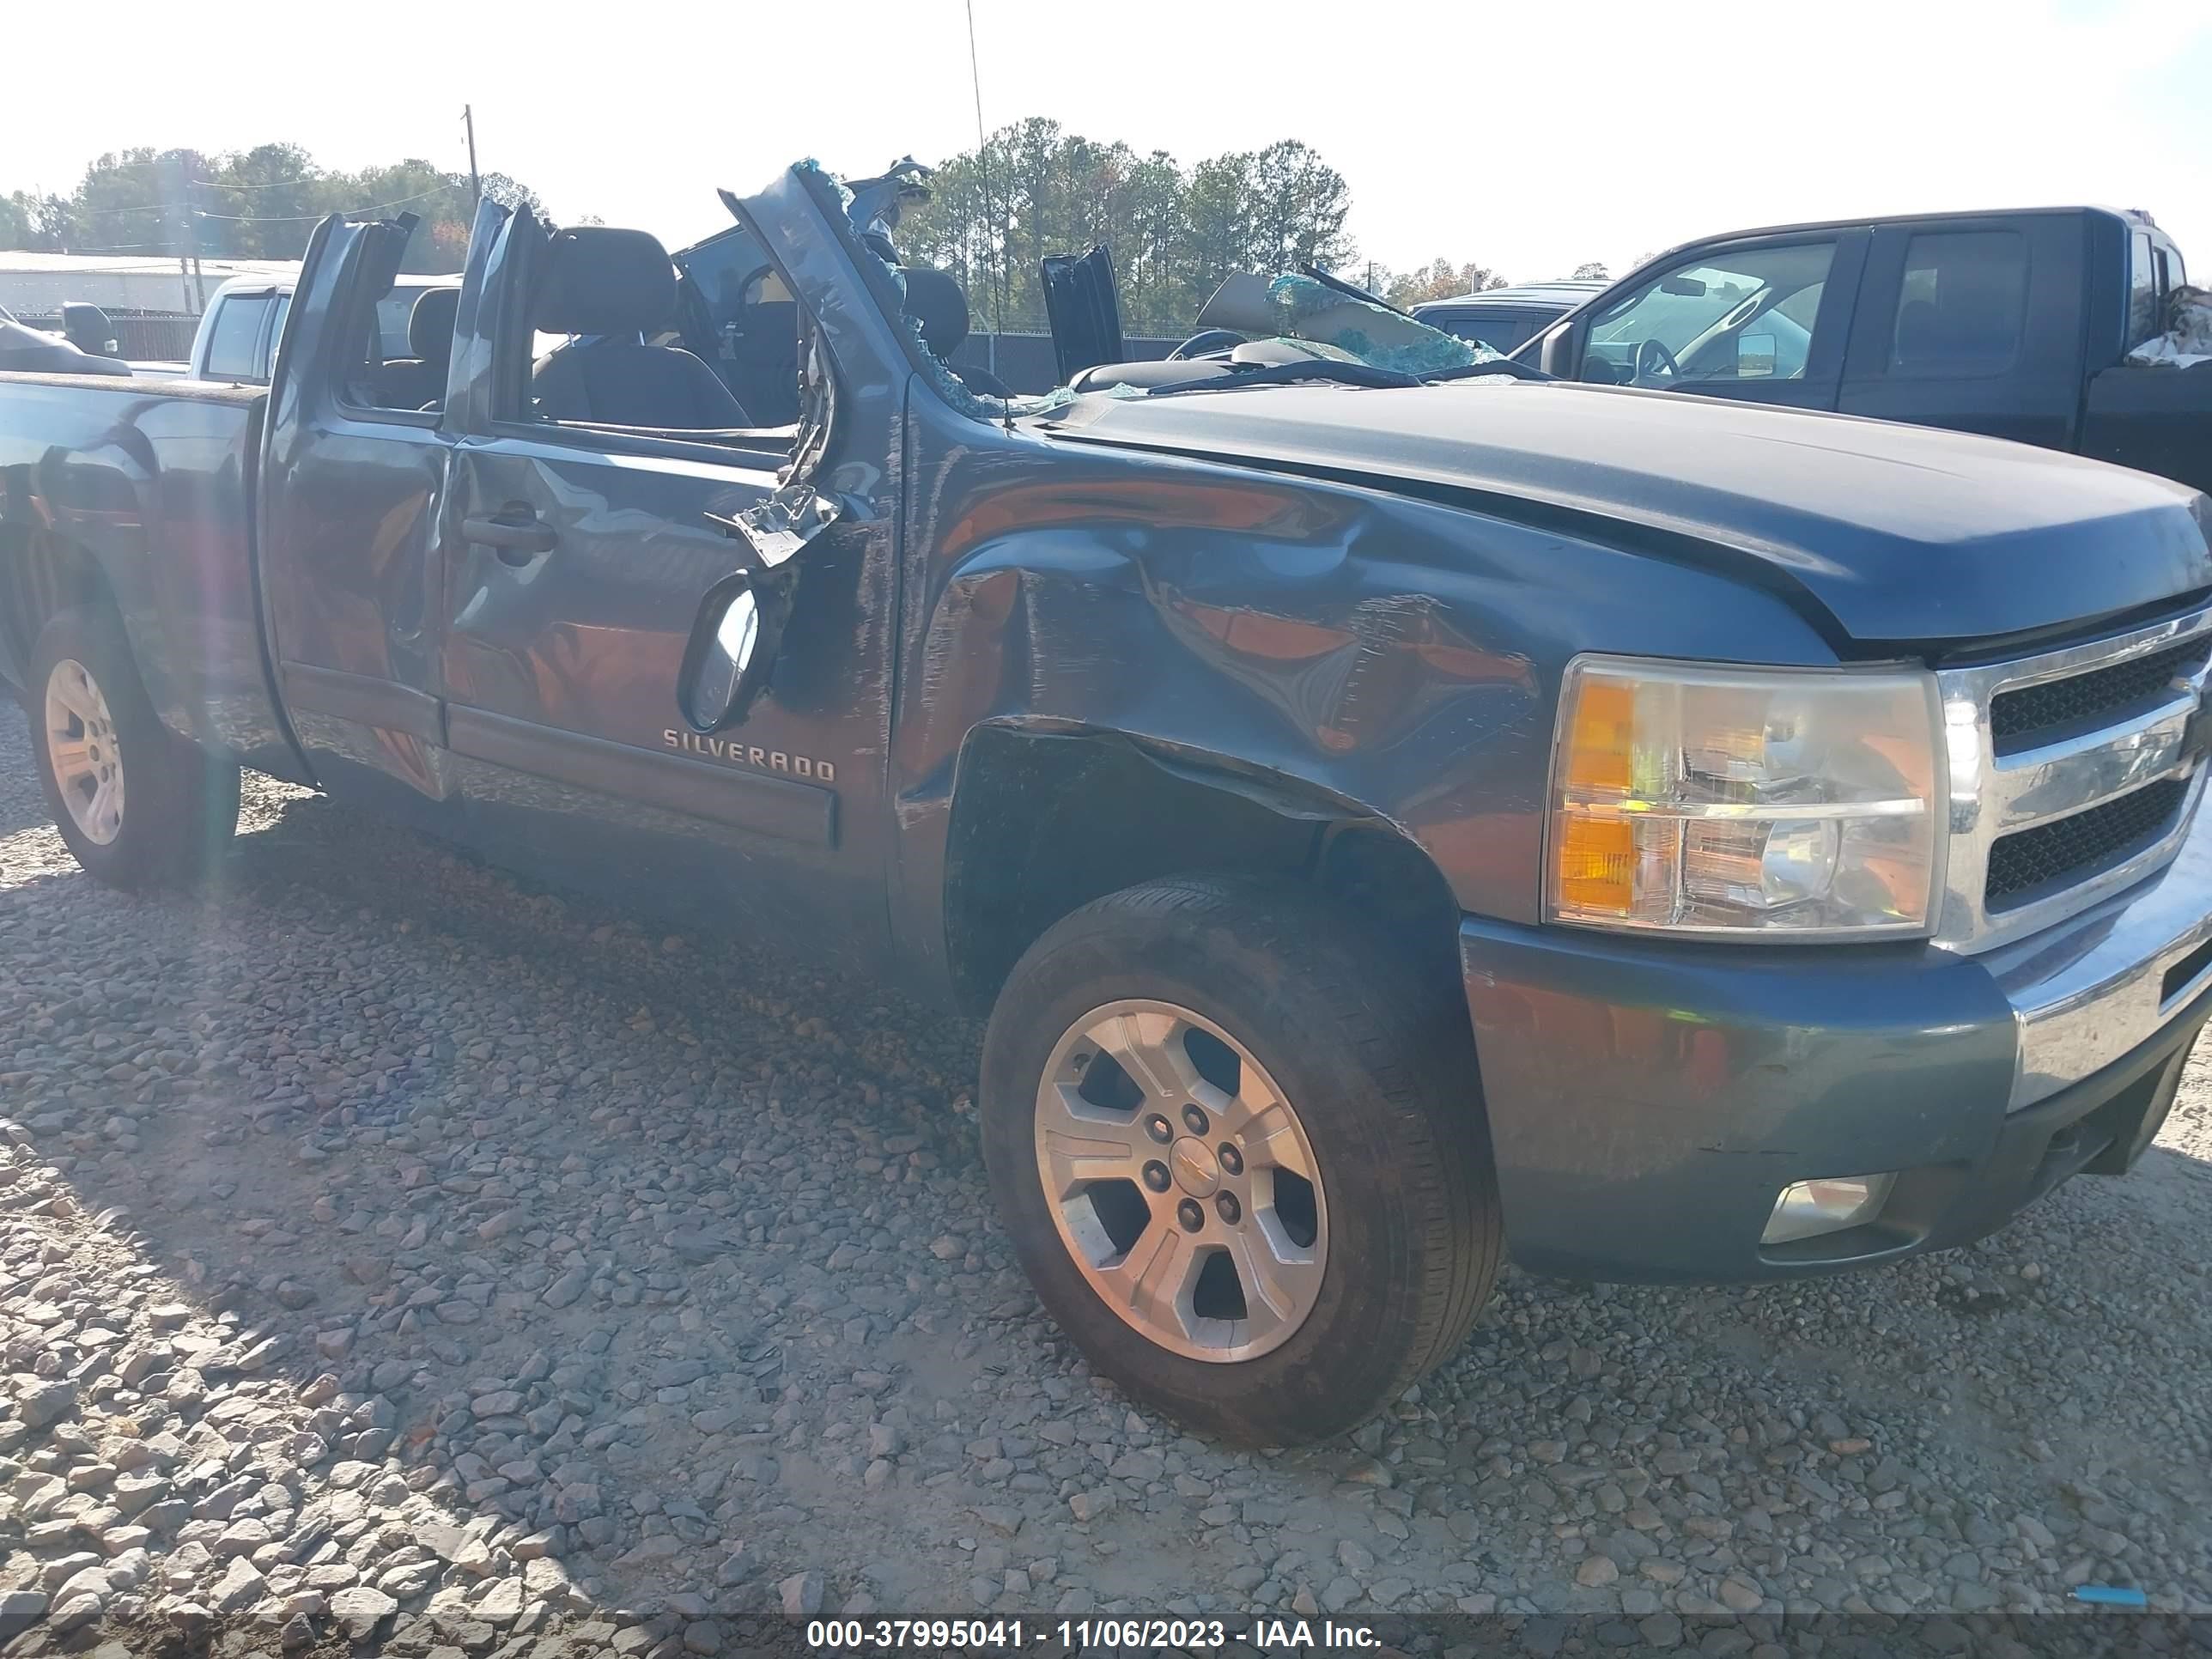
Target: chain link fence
140, 336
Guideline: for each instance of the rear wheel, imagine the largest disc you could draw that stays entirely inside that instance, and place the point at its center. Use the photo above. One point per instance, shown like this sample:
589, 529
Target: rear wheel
1240, 1150
137, 804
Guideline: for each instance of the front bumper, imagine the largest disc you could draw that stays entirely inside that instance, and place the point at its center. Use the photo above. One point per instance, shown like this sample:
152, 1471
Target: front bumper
1649, 1100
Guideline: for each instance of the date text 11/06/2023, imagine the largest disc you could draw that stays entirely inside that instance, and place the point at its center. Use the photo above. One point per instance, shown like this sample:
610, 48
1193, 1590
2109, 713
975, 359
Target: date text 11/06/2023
1082, 1635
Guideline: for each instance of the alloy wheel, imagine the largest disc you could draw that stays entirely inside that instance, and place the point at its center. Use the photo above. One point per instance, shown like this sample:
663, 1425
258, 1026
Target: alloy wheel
80, 742
1181, 1181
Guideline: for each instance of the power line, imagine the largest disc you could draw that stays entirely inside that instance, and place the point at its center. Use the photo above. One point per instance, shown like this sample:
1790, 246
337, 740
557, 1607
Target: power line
152, 207
316, 218
281, 183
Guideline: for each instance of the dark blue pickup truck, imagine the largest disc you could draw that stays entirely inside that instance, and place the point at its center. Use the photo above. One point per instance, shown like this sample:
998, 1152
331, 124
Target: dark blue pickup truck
1393, 816
2017, 324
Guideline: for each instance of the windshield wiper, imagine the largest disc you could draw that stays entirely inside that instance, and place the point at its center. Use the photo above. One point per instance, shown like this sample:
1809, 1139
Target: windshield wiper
1511, 370
1353, 290
1330, 370
1307, 368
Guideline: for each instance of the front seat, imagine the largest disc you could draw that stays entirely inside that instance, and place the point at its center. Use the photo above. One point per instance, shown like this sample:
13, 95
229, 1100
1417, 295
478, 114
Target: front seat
419, 381
939, 310
617, 286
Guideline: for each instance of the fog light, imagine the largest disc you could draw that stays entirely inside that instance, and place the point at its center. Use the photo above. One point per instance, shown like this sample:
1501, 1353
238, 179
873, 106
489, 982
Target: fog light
1809, 1208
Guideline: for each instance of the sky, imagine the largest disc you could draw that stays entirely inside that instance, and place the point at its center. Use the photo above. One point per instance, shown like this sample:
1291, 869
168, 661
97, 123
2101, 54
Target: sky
1529, 138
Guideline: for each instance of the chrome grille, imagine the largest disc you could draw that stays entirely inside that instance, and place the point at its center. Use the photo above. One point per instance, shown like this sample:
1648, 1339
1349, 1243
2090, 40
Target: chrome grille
2069, 776
2071, 849
2020, 719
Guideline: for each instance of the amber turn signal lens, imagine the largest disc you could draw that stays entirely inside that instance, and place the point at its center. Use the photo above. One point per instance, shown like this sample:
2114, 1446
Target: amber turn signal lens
1597, 863
1604, 734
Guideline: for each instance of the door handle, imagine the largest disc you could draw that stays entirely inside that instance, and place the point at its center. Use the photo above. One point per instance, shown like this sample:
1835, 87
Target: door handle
522, 536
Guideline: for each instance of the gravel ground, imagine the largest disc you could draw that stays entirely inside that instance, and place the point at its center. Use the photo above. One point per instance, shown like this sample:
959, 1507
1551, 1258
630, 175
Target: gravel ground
391, 1251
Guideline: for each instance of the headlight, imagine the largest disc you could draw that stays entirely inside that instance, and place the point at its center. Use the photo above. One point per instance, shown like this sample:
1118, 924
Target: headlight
1731, 801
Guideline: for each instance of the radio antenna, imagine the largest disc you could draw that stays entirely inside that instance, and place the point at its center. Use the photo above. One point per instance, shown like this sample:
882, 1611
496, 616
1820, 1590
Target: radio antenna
1004, 232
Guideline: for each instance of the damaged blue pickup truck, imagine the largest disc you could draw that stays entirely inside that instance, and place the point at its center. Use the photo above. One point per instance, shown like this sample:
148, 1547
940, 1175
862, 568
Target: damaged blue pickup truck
1396, 808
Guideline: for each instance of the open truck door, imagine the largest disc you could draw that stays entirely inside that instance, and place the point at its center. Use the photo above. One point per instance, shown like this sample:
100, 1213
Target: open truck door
353, 546
606, 481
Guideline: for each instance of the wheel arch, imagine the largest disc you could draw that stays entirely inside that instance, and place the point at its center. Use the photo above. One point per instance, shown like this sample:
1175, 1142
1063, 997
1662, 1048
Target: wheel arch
1045, 820
42, 573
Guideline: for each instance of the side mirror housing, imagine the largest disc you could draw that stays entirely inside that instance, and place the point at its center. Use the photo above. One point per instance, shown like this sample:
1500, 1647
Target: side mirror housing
87, 328
733, 649
740, 628
1561, 353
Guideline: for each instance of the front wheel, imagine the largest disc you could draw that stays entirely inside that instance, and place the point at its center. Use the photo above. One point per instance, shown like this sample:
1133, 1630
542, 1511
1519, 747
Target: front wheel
138, 804
1240, 1150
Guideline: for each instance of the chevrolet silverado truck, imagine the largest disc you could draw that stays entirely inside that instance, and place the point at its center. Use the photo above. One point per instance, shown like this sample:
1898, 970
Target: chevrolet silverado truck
2015, 324
1391, 818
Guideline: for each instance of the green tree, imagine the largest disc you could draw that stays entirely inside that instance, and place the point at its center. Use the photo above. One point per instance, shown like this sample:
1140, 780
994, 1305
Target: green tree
133, 201
260, 202
1439, 279
1216, 239
1591, 271
1300, 203
1035, 189
39, 221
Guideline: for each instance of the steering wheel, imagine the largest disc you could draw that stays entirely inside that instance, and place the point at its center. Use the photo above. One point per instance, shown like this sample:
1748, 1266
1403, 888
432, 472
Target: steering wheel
1207, 340
1655, 362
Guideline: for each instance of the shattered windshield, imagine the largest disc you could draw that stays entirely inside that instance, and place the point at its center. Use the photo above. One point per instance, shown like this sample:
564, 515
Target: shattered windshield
1369, 332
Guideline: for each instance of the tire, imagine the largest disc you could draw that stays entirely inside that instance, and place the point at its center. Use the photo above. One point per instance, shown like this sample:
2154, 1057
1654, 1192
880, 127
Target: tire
173, 807
1382, 1270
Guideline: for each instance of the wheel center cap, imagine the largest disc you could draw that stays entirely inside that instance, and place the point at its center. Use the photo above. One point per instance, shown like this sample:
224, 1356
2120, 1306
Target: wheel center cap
1197, 1170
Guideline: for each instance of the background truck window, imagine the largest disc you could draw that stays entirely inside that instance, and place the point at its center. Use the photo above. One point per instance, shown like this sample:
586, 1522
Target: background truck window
1962, 303
237, 331
1499, 330
1742, 315
2146, 317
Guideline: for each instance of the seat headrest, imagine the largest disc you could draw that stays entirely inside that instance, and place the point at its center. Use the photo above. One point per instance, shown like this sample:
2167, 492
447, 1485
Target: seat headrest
937, 307
431, 323
597, 280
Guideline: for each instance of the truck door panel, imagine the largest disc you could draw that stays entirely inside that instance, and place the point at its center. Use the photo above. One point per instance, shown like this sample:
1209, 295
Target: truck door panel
563, 666
352, 499
580, 554
1974, 324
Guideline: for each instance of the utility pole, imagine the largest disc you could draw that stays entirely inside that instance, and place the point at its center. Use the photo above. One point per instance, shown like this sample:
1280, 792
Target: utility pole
476, 184
175, 184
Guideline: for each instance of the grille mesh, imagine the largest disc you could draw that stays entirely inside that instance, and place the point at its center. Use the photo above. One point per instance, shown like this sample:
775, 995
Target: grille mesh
2016, 718
2074, 848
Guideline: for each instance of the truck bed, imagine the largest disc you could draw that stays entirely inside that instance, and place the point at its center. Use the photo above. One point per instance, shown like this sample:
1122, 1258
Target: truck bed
2159, 420
145, 487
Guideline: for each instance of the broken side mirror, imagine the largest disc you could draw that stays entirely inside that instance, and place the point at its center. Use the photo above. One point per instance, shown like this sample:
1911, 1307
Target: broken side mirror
735, 638
731, 650
740, 628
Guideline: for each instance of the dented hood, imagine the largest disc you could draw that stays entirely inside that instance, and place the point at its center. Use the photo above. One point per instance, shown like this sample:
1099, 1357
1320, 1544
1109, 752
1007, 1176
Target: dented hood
1900, 534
